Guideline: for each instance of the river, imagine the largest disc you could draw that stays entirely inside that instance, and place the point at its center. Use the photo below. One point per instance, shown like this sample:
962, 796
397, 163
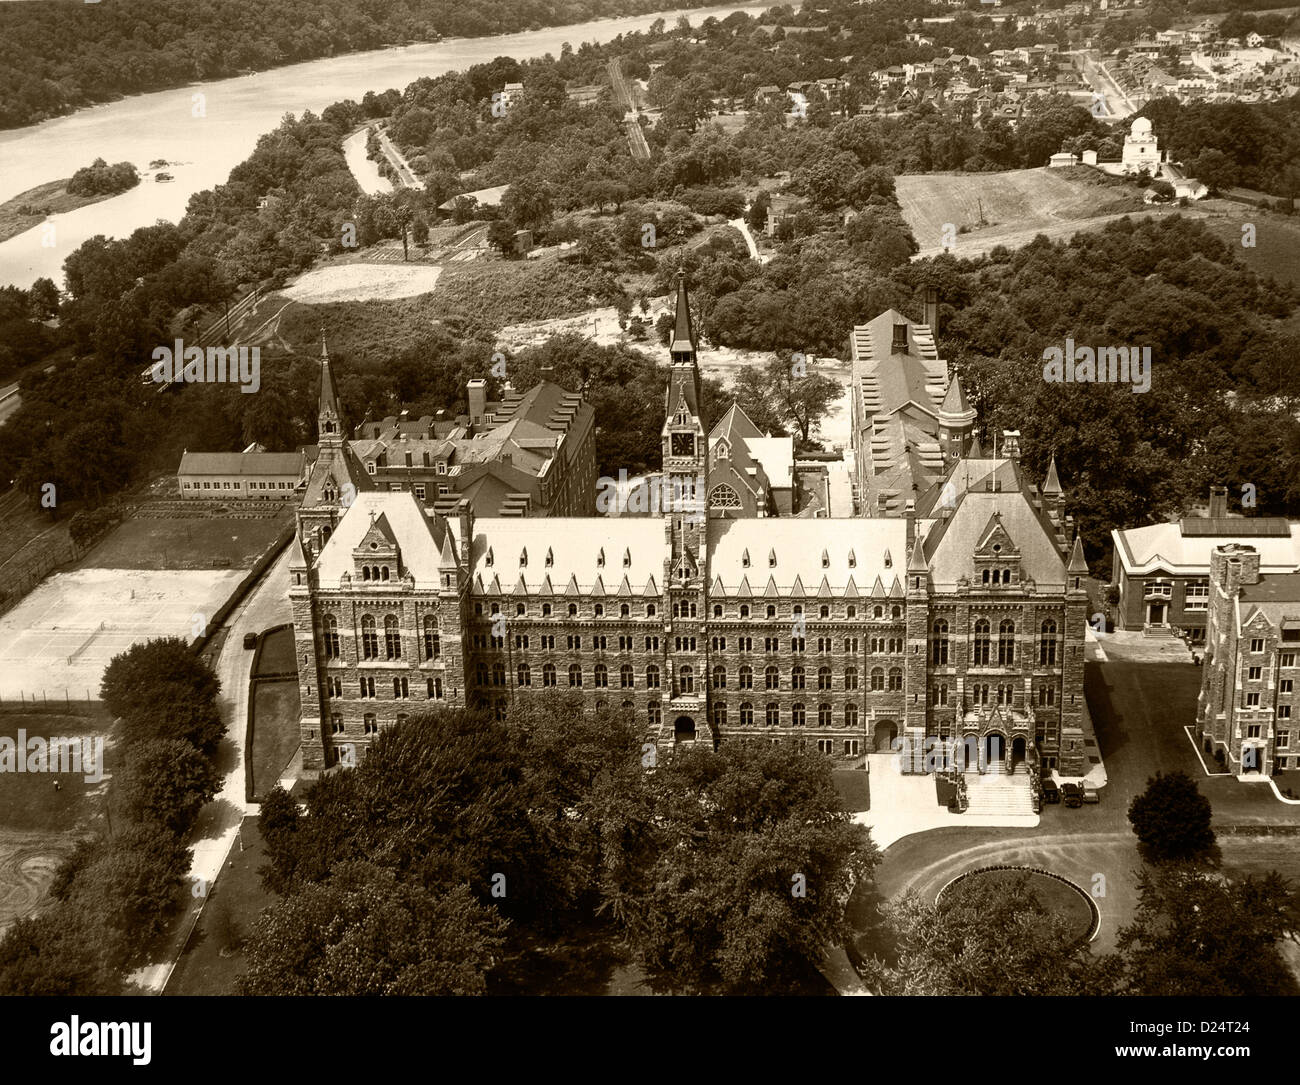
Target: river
203, 149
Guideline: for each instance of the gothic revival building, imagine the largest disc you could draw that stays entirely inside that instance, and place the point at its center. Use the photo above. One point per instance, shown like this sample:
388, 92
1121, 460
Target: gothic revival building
1252, 646
959, 621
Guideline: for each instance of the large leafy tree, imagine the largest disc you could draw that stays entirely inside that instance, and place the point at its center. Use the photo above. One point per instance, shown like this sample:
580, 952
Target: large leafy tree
166, 781
1172, 818
161, 689
1198, 934
981, 938
730, 869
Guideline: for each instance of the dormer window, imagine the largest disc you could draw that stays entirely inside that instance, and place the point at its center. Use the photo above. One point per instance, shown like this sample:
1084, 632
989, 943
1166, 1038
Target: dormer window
853, 560
889, 560
550, 558
771, 559
826, 560
488, 560
442, 467
627, 559
600, 558
744, 559
523, 558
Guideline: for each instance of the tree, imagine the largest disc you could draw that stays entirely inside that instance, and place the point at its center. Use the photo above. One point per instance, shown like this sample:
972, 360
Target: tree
367, 933
44, 298
527, 203
166, 781
501, 234
161, 689
1172, 818
729, 870
1198, 934
981, 938
786, 395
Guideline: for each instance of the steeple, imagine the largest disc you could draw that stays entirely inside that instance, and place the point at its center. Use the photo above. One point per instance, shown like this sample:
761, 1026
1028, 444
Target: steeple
1052, 484
682, 347
329, 422
1078, 563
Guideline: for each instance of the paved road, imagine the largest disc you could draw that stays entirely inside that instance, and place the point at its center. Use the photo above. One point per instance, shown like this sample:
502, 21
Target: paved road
265, 606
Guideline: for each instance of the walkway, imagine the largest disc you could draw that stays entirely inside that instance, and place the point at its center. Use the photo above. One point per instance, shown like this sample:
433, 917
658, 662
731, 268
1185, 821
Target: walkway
266, 605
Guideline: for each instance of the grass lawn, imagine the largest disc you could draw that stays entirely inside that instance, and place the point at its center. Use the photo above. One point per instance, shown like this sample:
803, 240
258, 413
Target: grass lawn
277, 654
1277, 239
29, 801
854, 789
198, 543
276, 713
238, 892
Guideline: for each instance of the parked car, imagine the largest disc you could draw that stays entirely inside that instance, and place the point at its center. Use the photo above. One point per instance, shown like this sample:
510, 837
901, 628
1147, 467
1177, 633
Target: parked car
1051, 793
250, 640
1072, 795
1090, 794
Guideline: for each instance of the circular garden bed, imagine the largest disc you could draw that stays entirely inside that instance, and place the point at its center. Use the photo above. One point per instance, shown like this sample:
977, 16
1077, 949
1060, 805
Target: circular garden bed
1058, 895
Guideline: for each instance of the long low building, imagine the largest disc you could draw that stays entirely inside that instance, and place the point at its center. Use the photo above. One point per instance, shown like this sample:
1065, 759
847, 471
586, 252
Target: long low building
267, 476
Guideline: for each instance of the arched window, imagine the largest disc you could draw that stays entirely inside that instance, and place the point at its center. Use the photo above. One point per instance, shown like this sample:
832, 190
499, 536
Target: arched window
548, 674
850, 677
744, 610
652, 677
573, 610
523, 675
384, 573
981, 643
686, 678
895, 678
771, 678
520, 610
773, 714
365, 572
602, 676
877, 679
824, 612
796, 678
896, 612
624, 611
746, 714
651, 610
877, 612
1006, 643
717, 610
719, 677
771, 611
723, 496
392, 638
823, 715
823, 678
331, 637
575, 674
1046, 696
797, 715
625, 676
852, 612
432, 645
1047, 644
369, 638
746, 678
940, 642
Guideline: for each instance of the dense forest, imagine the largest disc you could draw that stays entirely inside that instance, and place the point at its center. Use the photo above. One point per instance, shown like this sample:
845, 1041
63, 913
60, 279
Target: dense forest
59, 57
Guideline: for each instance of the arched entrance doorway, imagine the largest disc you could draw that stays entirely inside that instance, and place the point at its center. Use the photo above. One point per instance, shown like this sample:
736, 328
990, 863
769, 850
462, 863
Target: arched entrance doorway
1018, 750
683, 730
994, 747
885, 733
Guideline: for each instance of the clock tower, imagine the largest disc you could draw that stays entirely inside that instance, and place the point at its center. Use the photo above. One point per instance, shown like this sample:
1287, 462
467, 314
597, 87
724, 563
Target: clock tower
685, 512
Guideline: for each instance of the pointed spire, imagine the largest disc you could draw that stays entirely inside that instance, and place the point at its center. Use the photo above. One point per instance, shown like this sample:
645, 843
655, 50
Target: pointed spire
1078, 563
954, 400
683, 333
916, 562
976, 452
1052, 484
329, 403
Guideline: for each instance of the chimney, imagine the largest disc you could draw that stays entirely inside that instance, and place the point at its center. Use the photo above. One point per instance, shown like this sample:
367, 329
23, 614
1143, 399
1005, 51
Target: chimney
932, 311
1011, 444
466, 515
476, 392
1218, 502
899, 345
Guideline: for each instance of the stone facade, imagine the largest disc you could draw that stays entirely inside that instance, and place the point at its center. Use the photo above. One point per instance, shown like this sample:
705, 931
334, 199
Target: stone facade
961, 622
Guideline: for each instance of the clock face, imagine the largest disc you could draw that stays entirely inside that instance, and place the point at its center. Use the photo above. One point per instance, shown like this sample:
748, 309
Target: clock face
683, 444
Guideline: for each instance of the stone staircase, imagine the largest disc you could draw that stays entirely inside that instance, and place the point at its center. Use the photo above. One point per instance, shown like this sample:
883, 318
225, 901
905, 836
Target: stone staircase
999, 792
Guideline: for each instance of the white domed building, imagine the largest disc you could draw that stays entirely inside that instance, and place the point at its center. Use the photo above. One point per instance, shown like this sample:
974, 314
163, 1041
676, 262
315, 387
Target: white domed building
1141, 151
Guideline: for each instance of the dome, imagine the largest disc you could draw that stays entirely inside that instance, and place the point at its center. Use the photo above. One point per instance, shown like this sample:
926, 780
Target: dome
1141, 127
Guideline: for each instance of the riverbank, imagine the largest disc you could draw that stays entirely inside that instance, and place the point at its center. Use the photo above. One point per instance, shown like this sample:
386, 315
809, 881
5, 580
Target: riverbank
29, 209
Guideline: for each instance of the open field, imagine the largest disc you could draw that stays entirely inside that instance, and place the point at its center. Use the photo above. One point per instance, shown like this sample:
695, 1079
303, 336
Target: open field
62, 636
1017, 205
277, 711
189, 543
363, 282
39, 824
1277, 238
